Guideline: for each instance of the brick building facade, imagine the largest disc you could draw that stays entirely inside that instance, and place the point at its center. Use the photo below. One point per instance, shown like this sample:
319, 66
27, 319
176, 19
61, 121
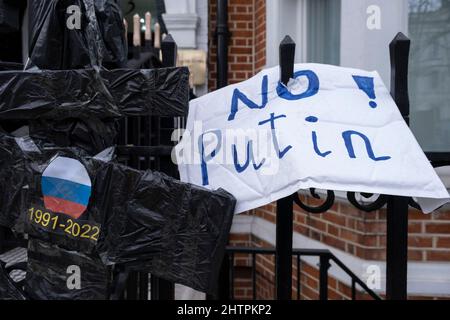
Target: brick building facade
346, 229
247, 46
358, 237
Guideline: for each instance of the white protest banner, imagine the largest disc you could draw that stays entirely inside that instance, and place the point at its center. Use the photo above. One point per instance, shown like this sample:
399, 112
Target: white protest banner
331, 128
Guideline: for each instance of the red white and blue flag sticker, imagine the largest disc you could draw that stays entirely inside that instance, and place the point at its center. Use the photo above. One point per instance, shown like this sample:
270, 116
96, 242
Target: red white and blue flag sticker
66, 187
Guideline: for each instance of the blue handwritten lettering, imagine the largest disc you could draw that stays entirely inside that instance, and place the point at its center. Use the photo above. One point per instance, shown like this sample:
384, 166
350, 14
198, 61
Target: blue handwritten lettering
274, 137
347, 136
238, 95
239, 168
204, 167
313, 86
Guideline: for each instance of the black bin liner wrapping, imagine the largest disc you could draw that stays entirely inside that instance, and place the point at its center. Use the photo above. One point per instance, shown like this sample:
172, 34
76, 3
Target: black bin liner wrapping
142, 219
99, 40
8, 288
7, 66
9, 17
54, 273
81, 108
175, 230
58, 95
88, 134
93, 212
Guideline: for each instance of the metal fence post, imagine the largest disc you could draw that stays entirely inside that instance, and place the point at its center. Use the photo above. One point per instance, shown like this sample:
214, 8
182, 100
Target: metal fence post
162, 289
324, 265
222, 34
284, 222
397, 207
169, 51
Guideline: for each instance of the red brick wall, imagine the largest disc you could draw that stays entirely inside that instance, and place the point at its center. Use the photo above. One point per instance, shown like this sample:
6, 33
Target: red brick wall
265, 278
247, 46
364, 234
346, 228
260, 35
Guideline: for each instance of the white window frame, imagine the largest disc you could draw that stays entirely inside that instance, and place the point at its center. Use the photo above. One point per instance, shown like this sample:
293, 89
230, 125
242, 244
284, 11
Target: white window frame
275, 30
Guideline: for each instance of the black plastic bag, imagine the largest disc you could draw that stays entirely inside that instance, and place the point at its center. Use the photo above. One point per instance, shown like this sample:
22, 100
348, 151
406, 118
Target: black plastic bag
7, 66
110, 21
57, 95
172, 229
54, 273
75, 34
88, 134
19, 157
142, 219
8, 288
9, 17
145, 60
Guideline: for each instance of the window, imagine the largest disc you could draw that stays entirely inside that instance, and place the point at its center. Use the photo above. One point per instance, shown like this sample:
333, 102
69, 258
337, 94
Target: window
429, 72
324, 29
314, 25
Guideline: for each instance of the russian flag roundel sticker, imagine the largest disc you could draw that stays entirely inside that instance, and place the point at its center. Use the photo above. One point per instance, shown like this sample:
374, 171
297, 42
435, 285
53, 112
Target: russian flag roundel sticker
66, 187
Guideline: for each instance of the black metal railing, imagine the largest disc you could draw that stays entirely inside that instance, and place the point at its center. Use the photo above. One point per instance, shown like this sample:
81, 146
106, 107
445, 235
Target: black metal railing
144, 142
326, 257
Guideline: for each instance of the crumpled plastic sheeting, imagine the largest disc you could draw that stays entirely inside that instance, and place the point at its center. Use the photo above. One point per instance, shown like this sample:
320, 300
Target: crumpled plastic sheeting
110, 21
148, 220
50, 269
88, 134
177, 231
8, 289
162, 92
100, 41
146, 60
17, 166
66, 94
9, 17
6, 66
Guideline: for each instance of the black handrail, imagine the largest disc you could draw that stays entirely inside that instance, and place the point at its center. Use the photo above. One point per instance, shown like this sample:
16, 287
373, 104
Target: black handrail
355, 278
325, 257
438, 159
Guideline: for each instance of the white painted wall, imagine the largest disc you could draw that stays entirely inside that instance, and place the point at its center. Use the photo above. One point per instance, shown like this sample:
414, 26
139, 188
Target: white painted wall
360, 47
187, 21
202, 37
180, 6
287, 17
369, 49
